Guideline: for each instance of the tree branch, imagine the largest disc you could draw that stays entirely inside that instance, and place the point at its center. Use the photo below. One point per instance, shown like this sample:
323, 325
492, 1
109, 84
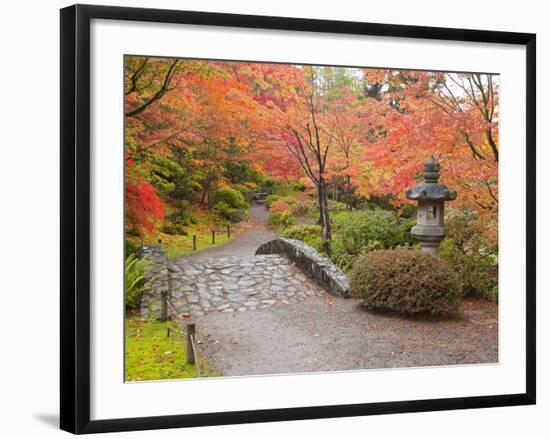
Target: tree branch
159, 94
135, 77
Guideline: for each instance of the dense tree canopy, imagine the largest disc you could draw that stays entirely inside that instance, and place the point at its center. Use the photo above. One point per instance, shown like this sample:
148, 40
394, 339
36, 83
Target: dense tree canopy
193, 127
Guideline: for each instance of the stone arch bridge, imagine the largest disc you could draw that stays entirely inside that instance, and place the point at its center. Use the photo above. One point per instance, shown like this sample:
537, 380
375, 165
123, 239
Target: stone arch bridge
280, 271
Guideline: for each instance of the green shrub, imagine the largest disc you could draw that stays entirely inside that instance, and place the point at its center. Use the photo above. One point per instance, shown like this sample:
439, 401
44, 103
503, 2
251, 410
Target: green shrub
232, 198
310, 234
229, 213
267, 185
341, 257
336, 206
245, 191
187, 218
298, 187
305, 208
405, 281
135, 281
182, 214
280, 219
303, 232
362, 231
171, 228
345, 260
311, 207
357, 229
469, 254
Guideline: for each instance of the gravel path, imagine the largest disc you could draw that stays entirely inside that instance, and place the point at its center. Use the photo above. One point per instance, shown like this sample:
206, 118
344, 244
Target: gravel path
326, 333
243, 245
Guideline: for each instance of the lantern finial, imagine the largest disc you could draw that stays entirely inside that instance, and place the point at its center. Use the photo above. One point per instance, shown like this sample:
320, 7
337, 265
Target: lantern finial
431, 170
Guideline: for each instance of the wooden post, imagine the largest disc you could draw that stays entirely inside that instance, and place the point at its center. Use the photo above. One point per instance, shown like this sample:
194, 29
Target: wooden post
229, 231
163, 305
190, 342
194, 242
213, 237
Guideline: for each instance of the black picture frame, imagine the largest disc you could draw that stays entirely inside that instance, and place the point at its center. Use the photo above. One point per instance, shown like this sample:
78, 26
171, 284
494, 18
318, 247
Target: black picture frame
75, 217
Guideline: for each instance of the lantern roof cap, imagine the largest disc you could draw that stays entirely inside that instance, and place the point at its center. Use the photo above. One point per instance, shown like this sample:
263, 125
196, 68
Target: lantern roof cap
431, 189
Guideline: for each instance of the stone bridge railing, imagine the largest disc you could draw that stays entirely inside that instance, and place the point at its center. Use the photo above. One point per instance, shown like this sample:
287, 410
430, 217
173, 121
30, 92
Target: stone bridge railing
315, 266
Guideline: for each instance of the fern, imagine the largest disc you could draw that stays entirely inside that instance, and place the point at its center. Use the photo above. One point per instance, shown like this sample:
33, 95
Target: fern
135, 280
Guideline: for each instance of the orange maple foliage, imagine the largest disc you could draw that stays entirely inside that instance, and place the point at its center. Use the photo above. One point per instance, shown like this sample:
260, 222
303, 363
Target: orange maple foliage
365, 131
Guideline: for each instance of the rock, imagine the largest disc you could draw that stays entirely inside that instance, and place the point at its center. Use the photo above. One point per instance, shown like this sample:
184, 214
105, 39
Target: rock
193, 298
279, 282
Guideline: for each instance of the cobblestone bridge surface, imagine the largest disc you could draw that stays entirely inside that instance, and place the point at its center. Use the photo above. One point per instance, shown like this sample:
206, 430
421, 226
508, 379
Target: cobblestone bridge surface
237, 284
212, 281
229, 284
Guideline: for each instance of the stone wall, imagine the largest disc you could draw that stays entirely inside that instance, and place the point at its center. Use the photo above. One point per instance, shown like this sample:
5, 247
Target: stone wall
315, 266
150, 300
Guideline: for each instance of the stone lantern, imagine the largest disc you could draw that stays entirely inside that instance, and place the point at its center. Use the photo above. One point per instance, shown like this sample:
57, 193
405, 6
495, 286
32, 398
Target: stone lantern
431, 196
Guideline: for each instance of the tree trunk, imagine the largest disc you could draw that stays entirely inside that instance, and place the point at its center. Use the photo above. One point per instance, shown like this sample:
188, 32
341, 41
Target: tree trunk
205, 191
348, 198
323, 210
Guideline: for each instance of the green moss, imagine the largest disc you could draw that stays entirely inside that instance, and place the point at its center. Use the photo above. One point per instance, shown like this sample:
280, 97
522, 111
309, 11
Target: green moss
153, 355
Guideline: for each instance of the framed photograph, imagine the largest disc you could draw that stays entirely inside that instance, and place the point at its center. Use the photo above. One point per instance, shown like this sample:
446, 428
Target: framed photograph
268, 219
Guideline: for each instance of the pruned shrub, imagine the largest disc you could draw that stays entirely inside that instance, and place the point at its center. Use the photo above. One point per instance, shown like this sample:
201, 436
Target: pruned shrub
232, 198
230, 205
405, 281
